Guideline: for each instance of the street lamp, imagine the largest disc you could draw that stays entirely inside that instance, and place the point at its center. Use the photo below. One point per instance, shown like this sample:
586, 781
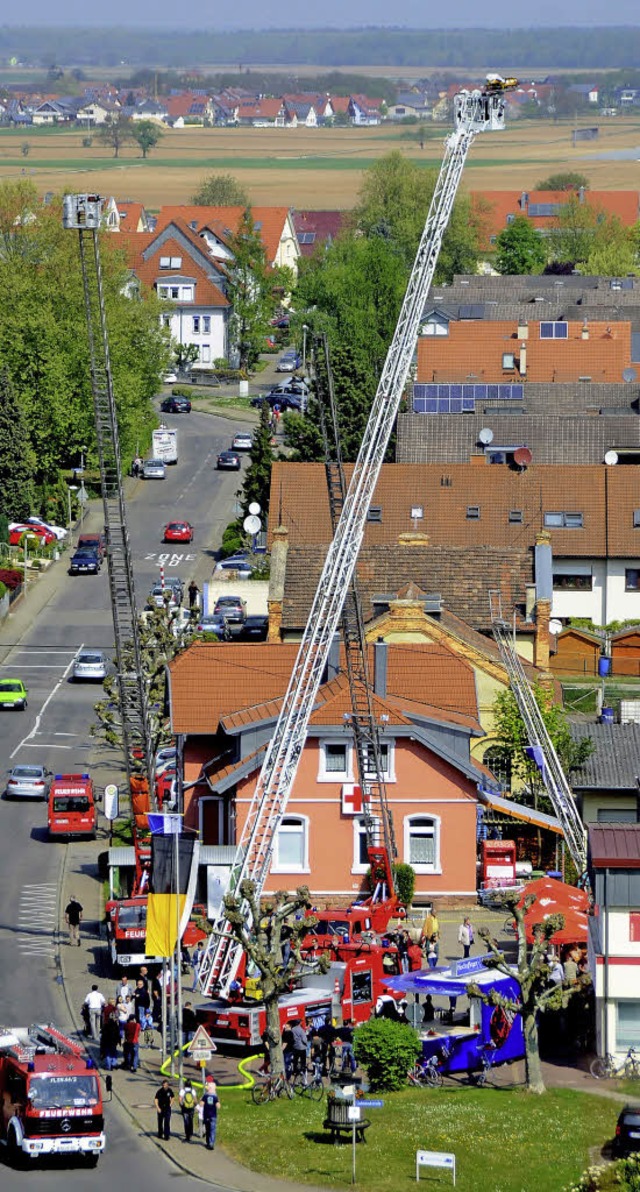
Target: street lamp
304, 347
83, 452
72, 488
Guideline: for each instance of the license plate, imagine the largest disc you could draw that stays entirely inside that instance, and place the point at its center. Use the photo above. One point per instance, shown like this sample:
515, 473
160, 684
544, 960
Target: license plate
634, 1134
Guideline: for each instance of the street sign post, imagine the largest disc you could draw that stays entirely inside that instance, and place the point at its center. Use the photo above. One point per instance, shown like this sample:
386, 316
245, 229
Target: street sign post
201, 1047
371, 1104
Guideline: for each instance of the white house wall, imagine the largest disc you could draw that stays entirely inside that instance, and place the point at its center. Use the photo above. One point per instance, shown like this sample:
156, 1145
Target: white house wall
180, 323
607, 601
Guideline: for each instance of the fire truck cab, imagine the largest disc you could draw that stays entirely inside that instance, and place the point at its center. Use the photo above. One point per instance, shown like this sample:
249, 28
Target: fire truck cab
72, 807
126, 920
51, 1102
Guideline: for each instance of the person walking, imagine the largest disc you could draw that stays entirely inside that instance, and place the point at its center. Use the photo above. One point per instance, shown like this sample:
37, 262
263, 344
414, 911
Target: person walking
194, 592
95, 1003
210, 1108
465, 936
162, 1102
73, 916
188, 1101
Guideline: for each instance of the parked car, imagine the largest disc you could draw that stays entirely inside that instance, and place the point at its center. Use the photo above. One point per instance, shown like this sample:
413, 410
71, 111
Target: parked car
85, 562
228, 461
170, 377
214, 623
27, 782
284, 400
94, 542
156, 597
13, 694
153, 469
58, 531
254, 629
627, 1137
242, 441
176, 405
174, 582
232, 608
289, 362
38, 534
90, 664
165, 758
237, 563
281, 321
178, 531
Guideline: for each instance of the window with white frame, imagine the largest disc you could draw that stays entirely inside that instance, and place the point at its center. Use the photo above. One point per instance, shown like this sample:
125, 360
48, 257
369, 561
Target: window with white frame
386, 761
186, 293
360, 843
627, 1025
335, 761
422, 843
166, 320
206, 324
205, 354
196, 324
292, 845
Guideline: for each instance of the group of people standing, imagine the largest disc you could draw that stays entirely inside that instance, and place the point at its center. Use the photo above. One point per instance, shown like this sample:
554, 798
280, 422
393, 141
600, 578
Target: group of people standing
206, 1107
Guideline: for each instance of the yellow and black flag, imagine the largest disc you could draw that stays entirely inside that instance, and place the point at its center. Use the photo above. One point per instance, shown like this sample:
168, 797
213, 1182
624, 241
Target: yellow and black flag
172, 885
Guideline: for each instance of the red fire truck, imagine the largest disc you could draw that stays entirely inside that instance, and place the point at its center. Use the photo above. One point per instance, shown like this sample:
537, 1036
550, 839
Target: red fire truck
50, 1095
348, 990
72, 806
126, 920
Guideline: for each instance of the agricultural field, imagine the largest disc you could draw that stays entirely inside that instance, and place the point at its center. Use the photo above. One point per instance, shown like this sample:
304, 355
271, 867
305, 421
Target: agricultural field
306, 167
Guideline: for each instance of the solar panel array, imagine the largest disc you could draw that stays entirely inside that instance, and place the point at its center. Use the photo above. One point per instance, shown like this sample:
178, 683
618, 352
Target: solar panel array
544, 209
461, 399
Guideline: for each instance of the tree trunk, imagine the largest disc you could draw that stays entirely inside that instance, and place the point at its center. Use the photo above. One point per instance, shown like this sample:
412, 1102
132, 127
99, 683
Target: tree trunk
535, 1082
273, 1030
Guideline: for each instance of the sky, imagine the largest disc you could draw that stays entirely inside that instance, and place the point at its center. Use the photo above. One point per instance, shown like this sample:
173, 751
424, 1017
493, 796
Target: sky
165, 14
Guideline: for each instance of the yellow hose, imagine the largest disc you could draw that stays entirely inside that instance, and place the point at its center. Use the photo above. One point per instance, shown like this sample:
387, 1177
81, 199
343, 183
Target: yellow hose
249, 1078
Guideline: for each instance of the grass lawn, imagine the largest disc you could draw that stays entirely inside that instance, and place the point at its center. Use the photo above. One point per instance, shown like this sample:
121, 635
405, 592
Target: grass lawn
503, 1140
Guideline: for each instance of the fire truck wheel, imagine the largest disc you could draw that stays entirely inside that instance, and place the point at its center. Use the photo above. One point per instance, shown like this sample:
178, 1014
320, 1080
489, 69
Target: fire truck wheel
91, 1160
17, 1158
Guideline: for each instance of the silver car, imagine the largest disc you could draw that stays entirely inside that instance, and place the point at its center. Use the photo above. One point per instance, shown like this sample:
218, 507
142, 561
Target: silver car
28, 782
91, 664
153, 469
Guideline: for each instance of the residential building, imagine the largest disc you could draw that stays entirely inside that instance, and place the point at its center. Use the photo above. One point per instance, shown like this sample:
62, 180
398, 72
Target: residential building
606, 786
410, 103
317, 228
224, 704
614, 934
215, 225
542, 208
364, 111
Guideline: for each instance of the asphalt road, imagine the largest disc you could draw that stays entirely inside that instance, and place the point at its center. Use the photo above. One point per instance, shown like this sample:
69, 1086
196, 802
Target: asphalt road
54, 730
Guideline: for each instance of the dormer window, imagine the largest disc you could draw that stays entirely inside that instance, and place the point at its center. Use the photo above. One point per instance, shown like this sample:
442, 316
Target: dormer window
374, 513
508, 360
473, 513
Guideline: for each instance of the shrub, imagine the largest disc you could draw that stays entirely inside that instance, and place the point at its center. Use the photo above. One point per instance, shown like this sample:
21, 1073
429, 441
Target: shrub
405, 882
233, 539
182, 391
3, 589
10, 578
4, 527
388, 1050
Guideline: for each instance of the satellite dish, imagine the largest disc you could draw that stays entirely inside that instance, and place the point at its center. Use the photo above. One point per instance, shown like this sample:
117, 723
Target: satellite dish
629, 374
611, 458
555, 627
252, 524
486, 436
254, 508
522, 456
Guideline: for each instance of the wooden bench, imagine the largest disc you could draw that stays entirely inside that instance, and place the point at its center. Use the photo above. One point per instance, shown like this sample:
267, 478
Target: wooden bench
337, 1121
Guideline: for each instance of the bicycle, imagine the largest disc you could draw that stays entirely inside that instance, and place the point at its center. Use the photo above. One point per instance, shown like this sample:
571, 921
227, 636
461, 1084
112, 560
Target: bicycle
606, 1068
428, 1073
314, 1088
342, 1062
487, 1053
273, 1087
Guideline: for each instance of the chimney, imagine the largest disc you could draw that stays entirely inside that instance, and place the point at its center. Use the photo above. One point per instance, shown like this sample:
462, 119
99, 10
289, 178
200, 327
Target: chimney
523, 330
333, 660
523, 360
581, 195
541, 640
279, 552
585, 329
380, 667
543, 562
523, 200
530, 601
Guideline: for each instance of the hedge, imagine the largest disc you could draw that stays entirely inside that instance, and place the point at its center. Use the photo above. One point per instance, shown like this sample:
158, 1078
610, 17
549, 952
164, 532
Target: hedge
10, 578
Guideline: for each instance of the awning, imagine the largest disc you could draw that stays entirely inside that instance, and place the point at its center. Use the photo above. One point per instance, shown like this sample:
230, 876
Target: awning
528, 815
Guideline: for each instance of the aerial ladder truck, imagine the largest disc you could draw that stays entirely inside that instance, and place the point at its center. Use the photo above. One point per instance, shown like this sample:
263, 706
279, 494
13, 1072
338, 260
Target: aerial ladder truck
476, 111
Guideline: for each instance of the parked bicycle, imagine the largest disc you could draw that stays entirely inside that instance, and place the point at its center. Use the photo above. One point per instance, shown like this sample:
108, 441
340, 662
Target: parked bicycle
273, 1086
487, 1055
605, 1067
428, 1073
342, 1061
314, 1088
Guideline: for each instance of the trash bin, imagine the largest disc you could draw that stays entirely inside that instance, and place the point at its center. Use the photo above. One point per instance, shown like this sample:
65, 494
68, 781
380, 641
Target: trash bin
606, 716
243, 388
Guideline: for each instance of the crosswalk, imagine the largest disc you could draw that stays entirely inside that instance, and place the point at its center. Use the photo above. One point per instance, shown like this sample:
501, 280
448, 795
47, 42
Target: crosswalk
38, 920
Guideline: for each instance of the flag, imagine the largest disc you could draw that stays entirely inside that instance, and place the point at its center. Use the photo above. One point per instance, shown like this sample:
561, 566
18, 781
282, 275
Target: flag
172, 886
535, 753
165, 825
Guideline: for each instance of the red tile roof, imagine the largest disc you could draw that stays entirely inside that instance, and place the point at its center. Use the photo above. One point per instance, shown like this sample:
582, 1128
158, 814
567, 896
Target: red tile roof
473, 352
147, 268
272, 221
496, 205
324, 225
260, 109
132, 215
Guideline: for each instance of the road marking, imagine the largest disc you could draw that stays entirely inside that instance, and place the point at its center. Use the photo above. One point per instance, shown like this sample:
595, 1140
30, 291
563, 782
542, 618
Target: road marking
38, 906
33, 665
43, 709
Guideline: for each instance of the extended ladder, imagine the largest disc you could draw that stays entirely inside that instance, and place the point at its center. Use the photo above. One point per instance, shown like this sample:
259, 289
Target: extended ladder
474, 112
542, 748
84, 213
378, 822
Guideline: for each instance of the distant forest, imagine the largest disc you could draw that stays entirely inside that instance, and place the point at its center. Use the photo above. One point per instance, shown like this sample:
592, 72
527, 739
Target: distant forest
510, 49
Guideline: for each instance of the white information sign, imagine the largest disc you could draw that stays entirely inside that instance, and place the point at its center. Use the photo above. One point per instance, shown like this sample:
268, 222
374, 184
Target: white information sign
435, 1159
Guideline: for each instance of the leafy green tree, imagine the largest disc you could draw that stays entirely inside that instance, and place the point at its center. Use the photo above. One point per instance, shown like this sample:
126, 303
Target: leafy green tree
185, 355
249, 292
532, 972
404, 877
115, 132
512, 736
257, 478
220, 190
564, 180
16, 456
146, 134
388, 1050
520, 248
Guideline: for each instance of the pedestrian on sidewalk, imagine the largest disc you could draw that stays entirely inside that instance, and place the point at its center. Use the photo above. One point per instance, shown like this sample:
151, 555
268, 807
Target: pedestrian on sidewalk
188, 1101
194, 592
131, 1044
141, 999
210, 1107
162, 1102
73, 915
196, 961
189, 1023
95, 1004
465, 936
109, 1043
124, 989
123, 1014
433, 949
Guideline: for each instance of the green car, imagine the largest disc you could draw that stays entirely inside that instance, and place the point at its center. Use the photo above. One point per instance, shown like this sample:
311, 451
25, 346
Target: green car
13, 693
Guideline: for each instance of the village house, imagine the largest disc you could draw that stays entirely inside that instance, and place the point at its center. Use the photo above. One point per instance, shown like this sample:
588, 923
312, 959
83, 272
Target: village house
216, 225
614, 934
497, 209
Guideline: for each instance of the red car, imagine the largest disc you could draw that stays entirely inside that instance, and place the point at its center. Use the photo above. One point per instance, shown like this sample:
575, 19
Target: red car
40, 532
178, 531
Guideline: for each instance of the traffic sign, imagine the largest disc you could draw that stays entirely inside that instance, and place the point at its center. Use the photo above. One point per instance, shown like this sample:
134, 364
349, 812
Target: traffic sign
371, 1104
201, 1041
201, 1055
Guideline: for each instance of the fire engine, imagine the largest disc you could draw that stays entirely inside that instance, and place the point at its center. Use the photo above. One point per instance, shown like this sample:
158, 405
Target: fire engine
51, 1098
126, 920
72, 806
